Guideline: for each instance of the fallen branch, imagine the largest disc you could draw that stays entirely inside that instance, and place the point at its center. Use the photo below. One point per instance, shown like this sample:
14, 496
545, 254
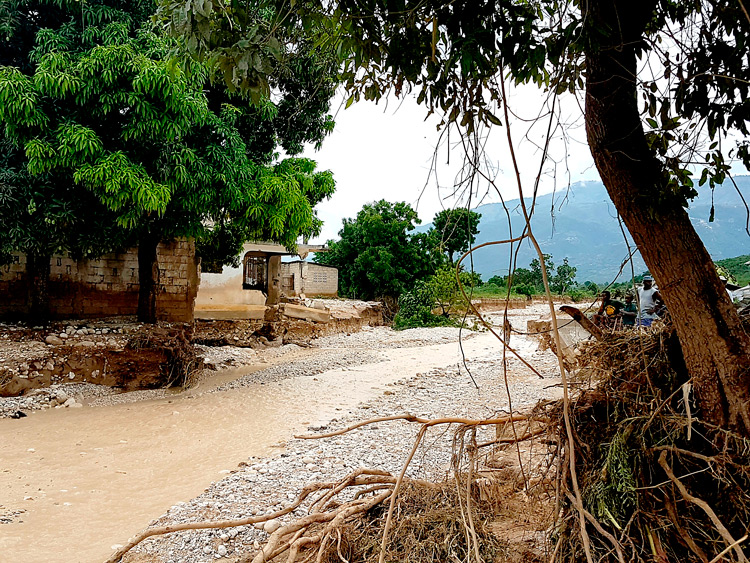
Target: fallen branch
583, 320
335, 518
412, 418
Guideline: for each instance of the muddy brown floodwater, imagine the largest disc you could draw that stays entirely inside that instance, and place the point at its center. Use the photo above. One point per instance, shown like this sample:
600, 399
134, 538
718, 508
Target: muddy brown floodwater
92, 477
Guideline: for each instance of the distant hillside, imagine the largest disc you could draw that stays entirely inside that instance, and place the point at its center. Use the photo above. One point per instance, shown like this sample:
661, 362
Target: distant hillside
582, 225
738, 267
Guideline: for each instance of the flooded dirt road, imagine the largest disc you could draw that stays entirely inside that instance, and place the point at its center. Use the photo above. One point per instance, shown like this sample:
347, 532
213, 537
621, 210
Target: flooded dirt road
90, 478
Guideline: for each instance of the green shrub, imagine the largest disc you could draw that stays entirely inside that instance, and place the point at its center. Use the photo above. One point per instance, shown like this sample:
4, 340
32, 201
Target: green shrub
415, 308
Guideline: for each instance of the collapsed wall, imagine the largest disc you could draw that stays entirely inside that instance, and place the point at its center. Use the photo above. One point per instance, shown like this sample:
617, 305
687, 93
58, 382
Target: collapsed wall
287, 323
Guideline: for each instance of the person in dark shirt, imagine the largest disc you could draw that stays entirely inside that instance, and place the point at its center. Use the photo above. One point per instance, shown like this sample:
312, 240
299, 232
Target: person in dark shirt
629, 311
609, 311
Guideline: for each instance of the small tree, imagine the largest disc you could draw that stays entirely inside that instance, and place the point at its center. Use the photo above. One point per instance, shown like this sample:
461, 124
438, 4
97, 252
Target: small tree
456, 229
537, 279
564, 277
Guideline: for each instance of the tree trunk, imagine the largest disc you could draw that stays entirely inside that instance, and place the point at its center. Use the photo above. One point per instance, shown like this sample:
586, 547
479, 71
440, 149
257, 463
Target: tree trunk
148, 277
274, 280
37, 270
714, 344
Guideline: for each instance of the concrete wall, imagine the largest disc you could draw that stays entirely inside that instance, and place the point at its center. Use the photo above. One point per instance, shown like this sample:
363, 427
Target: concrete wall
225, 290
310, 278
107, 286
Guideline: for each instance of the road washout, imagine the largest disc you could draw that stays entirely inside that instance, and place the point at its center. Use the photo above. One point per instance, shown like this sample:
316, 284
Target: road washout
98, 475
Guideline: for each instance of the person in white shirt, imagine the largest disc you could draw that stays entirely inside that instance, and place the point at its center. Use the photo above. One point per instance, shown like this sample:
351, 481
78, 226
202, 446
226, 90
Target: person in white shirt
649, 302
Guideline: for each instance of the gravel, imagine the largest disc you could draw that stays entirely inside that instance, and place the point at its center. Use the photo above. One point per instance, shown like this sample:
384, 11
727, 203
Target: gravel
55, 396
263, 485
315, 362
385, 337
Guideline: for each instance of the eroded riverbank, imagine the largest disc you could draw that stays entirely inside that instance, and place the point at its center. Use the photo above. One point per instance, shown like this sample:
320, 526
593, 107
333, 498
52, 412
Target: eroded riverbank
98, 475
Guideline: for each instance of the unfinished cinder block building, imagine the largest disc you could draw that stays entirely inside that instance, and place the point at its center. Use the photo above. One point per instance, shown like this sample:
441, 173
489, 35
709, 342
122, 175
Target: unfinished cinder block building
107, 286
309, 279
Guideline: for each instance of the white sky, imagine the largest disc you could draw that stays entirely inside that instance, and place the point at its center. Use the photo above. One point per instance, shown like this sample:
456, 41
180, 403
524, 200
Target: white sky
385, 151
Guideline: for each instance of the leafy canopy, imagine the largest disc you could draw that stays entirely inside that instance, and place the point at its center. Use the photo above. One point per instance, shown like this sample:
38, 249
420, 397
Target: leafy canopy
452, 54
378, 255
457, 229
95, 106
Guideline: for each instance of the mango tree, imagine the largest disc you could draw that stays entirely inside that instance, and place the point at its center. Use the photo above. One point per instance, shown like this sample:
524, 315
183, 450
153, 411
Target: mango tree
103, 110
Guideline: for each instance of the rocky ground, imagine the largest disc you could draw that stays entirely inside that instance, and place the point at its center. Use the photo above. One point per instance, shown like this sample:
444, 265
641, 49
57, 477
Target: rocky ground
265, 485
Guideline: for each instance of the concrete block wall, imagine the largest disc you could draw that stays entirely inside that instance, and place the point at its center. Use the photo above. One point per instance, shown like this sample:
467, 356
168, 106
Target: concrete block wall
107, 286
312, 279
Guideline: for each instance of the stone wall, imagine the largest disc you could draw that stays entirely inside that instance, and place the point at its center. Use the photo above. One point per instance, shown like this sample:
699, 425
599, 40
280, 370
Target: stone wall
107, 286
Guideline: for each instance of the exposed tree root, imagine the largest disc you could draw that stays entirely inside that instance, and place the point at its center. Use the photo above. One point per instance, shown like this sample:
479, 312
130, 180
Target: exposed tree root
360, 477
340, 507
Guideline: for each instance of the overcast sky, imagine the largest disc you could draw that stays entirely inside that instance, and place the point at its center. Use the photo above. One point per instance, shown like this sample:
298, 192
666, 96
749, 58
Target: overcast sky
385, 151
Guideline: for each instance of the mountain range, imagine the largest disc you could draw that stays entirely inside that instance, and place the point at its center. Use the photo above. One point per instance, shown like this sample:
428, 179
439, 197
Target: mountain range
581, 224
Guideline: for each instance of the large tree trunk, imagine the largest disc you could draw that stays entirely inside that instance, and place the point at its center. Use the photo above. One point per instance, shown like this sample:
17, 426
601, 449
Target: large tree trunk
148, 277
714, 344
37, 270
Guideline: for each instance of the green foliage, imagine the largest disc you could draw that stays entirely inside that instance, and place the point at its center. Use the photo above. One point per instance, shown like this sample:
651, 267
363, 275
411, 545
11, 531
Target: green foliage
99, 115
415, 308
450, 56
736, 268
562, 281
456, 229
536, 278
529, 281
439, 292
493, 291
378, 255
447, 295
612, 491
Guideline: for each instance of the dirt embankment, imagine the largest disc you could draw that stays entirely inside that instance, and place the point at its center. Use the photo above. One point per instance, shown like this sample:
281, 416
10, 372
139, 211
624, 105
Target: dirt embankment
112, 353
128, 355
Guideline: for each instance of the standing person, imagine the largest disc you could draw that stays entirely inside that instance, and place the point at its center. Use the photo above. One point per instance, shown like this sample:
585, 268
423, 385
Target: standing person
649, 302
629, 312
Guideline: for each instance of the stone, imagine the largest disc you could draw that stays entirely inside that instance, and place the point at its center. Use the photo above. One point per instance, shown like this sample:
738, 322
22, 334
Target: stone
70, 402
53, 340
271, 526
222, 550
86, 343
63, 335
60, 395
306, 313
207, 549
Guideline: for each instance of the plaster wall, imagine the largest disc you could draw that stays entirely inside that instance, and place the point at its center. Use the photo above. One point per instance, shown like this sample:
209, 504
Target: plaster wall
218, 291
